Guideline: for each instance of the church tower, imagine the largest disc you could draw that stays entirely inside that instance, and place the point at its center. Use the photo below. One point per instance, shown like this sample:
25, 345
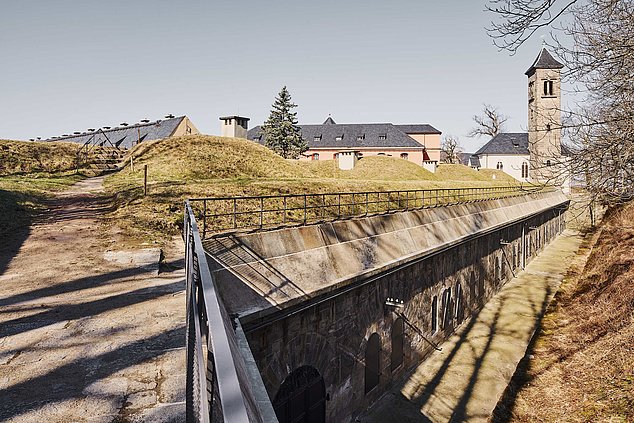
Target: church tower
544, 117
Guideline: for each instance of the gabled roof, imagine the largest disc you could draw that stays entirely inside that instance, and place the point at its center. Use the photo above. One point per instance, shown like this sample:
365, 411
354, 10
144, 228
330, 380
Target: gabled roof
354, 135
506, 143
418, 129
329, 121
128, 136
544, 61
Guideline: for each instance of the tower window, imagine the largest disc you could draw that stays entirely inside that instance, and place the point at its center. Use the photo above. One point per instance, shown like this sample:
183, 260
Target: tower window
499, 166
525, 170
548, 87
548, 163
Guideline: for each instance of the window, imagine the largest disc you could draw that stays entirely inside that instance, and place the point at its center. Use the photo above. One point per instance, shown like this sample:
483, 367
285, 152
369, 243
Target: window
335, 156
459, 304
434, 314
317, 138
338, 137
360, 137
446, 308
404, 156
548, 87
257, 138
525, 170
382, 136
381, 154
548, 163
548, 126
397, 344
316, 156
499, 166
372, 362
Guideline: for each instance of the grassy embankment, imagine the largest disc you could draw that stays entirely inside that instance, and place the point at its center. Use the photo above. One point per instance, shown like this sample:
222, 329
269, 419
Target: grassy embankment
582, 364
208, 166
30, 172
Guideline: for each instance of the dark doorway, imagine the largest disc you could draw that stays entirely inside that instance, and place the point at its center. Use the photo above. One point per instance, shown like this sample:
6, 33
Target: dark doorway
301, 397
397, 344
372, 362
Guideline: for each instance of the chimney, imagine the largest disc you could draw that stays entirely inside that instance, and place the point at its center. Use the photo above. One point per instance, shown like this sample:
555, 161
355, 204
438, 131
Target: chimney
234, 126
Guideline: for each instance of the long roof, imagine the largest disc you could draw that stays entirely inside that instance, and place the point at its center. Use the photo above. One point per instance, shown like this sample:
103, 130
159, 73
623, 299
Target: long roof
544, 61
128, 136
356, 135
506, 143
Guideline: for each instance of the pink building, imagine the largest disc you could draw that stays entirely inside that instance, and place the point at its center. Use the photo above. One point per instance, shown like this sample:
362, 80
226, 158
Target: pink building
418, 143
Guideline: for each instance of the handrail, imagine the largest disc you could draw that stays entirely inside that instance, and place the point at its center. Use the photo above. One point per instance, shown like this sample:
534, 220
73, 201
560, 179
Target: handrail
227, 214
215, 391
89, 145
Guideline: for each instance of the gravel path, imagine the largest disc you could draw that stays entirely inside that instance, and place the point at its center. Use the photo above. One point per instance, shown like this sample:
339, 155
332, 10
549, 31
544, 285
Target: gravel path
82, 338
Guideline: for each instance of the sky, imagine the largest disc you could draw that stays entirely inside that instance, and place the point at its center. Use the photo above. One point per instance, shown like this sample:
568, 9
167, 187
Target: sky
69, 65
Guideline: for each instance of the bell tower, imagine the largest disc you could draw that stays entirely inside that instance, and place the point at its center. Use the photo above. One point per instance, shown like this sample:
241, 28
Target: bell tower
544, 117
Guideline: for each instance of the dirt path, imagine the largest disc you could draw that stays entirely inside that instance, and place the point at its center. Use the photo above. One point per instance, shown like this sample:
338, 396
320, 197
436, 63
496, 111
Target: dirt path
81, 338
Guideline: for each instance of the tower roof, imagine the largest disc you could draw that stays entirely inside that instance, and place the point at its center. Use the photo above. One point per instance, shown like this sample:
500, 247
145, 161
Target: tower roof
544, 61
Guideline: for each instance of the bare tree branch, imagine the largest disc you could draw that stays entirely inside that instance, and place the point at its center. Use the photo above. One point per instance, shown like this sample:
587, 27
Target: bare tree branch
489, 123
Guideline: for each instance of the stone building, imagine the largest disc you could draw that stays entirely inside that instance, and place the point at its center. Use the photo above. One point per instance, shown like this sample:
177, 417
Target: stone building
533, 156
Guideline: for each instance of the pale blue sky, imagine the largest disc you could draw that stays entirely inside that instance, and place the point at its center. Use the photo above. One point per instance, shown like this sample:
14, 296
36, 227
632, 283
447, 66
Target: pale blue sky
69, 65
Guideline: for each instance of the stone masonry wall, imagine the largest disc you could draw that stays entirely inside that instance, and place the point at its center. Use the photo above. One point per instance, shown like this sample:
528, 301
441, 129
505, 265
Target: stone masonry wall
331, 335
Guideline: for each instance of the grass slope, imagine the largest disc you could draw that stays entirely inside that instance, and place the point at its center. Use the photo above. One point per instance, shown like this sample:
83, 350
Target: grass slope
208, 166
21, 157
582, 368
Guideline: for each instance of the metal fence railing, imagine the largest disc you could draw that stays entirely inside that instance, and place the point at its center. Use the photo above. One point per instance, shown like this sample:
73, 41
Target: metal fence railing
218, 388
221, 214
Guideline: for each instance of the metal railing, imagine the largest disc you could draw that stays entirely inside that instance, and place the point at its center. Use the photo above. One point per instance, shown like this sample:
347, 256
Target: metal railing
217, 386
222, 214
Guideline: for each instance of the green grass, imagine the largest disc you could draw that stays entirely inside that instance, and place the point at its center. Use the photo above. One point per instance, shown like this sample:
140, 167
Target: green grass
210, 166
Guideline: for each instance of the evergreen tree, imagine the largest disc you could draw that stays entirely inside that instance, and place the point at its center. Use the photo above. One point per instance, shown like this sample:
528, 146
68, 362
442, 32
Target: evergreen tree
281, 131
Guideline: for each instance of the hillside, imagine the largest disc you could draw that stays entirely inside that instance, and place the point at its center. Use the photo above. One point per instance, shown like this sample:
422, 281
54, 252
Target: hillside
208, 166
28, 157
582, 366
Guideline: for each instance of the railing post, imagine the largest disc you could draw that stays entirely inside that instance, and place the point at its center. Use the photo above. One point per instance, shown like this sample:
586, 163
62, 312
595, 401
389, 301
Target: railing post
204, 218
284, 219
305, 208
235, 215
366, 203
339, 206
261, 212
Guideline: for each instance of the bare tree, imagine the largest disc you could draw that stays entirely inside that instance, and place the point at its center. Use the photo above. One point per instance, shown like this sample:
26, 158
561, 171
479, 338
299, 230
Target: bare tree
451, 148
489, 123
595, 39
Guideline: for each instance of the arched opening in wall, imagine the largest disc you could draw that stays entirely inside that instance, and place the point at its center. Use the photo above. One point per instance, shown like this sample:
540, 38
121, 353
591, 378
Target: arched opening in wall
499, 166
434, 314
459, 304
301, 397
514, 257
481, 293
503, 267
447, 315
372, 362
496, 273
472, 288
404, 156
398, 332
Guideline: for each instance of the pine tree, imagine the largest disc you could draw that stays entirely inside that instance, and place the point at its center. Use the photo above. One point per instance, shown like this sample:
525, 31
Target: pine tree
281, 131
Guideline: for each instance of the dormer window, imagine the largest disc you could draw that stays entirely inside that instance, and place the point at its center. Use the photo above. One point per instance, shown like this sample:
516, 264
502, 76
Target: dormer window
360, 137
257, 138
382, 137
548, 88
317, 138
339, 137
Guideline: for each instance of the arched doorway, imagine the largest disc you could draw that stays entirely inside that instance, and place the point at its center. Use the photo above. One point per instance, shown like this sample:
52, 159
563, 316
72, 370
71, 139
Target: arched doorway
301, 397
372, 362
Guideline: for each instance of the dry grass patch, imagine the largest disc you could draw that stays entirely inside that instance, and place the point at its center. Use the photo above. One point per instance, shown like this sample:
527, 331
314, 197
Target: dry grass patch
22, 157
210, 166
583, 365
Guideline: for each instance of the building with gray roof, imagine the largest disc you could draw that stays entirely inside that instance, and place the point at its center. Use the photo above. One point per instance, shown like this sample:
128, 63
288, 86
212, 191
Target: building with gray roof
419, 143
127, 136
